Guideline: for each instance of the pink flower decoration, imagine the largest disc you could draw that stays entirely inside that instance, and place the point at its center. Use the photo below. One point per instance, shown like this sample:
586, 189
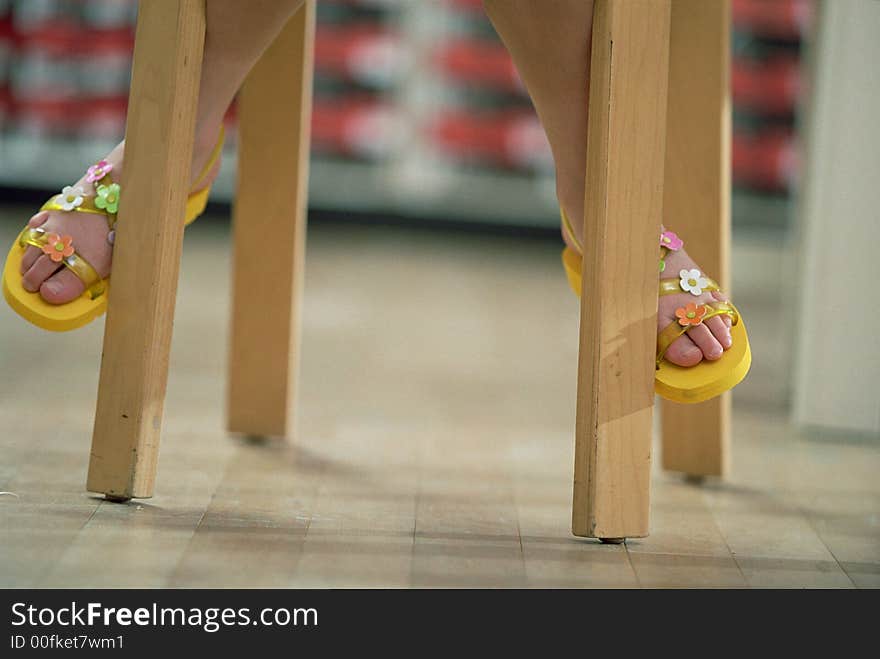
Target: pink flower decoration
98, 171
671, 241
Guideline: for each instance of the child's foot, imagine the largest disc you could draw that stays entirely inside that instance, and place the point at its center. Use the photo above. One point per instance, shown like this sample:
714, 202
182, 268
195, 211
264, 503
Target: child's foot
90, 232
707, 340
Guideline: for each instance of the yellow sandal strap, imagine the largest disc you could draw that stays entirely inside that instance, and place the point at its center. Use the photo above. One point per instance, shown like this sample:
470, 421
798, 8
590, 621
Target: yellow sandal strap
87, 206
87, 203
215, 154
673, 286
75, 262
569, 229
674, 329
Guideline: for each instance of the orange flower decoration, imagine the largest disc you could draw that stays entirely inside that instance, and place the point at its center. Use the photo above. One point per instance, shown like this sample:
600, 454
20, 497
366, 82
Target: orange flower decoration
58, 247
690, 314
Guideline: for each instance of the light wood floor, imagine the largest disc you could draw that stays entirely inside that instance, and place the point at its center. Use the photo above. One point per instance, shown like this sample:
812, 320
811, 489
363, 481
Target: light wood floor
434, 445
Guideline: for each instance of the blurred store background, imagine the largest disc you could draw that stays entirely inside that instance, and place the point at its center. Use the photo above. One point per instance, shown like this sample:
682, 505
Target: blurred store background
418, 107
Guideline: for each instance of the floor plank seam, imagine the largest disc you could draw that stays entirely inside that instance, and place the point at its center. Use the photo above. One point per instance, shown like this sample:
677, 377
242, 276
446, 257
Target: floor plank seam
723, 537
173, 574
818, 533
522, 553
45, 577
632, 565
415, 530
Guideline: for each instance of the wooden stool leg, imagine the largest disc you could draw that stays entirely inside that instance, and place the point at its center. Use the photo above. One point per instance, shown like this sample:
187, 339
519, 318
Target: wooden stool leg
270, 232
624, 188
137, 337
696, 202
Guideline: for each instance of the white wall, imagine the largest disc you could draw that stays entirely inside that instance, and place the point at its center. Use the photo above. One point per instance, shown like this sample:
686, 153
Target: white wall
837, 370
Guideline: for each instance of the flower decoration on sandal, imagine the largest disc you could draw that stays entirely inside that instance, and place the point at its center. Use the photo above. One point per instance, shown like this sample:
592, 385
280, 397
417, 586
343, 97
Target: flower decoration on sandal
57, 247
71, 197
690, 314
108, 197
692, 281
98, 171
671, 241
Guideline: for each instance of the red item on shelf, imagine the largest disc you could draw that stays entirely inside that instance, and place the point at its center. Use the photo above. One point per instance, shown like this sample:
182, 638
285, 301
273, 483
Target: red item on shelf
30, 16
57, 38
44, 66
779, 19
5, 106
101, 118
105, 61
361, 128
773, 86
766, 161
510, 138
481, 63
46, 117
364, 53
7, 31
7, 44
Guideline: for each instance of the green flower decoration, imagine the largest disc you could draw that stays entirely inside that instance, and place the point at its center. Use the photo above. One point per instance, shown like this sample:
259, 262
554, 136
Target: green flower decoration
108, 197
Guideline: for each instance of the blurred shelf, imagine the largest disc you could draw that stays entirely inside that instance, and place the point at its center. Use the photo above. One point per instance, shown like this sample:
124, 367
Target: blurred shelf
769, 214
439, 192
419, 112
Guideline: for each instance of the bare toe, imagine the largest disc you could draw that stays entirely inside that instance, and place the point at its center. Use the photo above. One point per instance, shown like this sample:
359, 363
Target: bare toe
39, 272
62, 287
38, 220
706, 342
721, 296
31, 254
720, 330
684, 352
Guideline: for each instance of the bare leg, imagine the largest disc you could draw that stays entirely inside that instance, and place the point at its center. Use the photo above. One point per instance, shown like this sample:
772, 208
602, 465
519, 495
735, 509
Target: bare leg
550, 45
237, 34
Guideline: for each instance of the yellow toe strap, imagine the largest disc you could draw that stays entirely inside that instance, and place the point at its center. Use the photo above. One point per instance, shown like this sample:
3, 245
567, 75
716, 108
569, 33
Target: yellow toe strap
38, 238
212, 160
78, 200
674, 286
701, 314
569, 230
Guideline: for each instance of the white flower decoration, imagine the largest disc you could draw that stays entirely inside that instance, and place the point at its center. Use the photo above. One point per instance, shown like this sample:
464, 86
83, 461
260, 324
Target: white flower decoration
692, 281
71, 197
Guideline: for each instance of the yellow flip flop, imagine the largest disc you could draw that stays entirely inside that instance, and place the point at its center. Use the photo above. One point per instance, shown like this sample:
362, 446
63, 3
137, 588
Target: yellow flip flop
677, 383
93, 301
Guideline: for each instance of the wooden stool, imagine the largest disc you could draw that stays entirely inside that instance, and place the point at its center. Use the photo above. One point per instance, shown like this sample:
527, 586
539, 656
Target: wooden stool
631, 133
